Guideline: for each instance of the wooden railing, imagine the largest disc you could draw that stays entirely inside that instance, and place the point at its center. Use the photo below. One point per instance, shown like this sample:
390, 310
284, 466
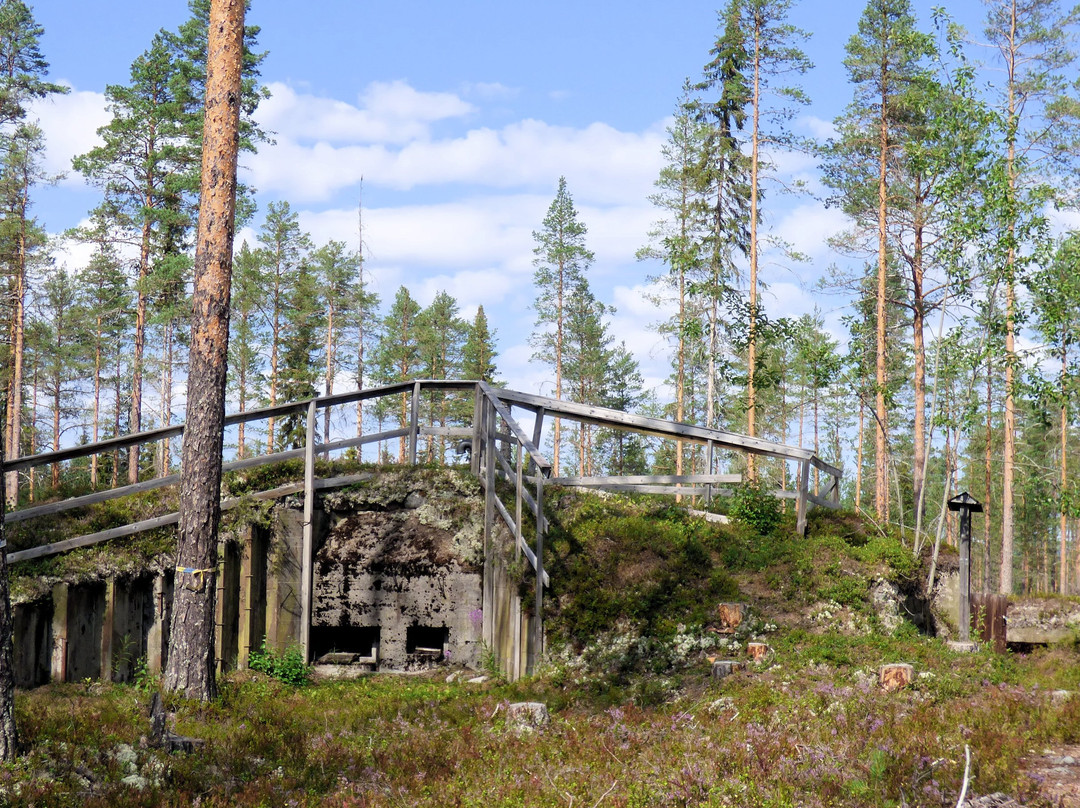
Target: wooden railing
501, 449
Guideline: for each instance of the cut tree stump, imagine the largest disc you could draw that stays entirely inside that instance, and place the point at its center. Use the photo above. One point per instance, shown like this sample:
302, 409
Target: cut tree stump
757, 651
725, 667
896, 676
731, 615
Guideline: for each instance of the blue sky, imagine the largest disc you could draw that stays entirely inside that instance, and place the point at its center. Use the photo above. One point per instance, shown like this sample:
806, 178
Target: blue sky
460, 117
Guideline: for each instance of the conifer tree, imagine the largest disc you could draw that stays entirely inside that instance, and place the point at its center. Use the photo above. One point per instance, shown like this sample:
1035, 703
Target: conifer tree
885, 64
478, 353
398, 357
772, 52
678, 240
246, 346
1039, 127
561, 262
284, 248
336, 271
441, 344
190, 666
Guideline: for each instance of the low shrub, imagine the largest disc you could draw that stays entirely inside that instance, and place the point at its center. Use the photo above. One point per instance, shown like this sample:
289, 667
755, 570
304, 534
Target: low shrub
287, 666
752, 505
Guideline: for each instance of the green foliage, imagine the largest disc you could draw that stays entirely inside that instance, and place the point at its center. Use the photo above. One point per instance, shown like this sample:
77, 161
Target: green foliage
752, 505
287, 666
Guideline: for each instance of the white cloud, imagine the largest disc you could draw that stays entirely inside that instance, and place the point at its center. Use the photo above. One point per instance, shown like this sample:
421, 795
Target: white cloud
388, 112
808, 227
325, 146
70, 123
817, 127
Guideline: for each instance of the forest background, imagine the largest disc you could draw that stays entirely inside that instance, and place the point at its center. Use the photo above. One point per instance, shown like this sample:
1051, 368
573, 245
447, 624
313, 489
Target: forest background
903, 290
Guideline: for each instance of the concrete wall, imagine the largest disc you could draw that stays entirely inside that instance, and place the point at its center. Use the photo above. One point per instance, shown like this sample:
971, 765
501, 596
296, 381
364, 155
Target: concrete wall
388, 572
390, 576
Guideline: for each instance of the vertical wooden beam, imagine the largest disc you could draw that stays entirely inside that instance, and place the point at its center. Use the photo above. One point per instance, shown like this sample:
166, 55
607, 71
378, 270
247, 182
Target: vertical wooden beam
478, 433
804, 490
108, 630
541, 526
157, 636
517, 500
709, 470
538, 427
414, 423
58, 666
309, 538
489, 524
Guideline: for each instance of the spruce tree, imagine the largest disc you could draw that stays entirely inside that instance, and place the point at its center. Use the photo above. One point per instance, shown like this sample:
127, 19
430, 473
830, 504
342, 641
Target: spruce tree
478, 354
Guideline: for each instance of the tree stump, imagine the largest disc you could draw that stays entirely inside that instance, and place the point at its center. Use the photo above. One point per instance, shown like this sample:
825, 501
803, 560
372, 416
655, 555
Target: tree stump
895, 676
757, 651
722, 668
731, 616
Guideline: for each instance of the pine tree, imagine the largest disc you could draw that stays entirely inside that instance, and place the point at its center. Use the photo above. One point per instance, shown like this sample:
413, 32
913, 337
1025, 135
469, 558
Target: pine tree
677, 240
138, 167
107, 299
772, 52
336, 271
587, 358
397, 357
1039, 124
561, 262
190, 666
623, 452
885, 64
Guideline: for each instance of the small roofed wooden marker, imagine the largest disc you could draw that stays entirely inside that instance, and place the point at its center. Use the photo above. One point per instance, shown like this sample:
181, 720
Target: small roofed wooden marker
966, 505
896, 676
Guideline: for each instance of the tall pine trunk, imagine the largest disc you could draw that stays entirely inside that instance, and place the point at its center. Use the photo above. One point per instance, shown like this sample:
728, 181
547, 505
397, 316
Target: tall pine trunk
190, 667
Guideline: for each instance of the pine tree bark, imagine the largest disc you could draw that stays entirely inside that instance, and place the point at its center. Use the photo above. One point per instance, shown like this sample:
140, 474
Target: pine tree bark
881, 493
190, 667
751, 348
9, 738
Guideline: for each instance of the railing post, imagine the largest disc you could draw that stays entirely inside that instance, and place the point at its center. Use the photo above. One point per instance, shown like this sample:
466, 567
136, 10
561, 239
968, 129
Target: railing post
517, 501
478, 431
414, 423
489, 525
538, 627
306, 561
708, 470
802, 502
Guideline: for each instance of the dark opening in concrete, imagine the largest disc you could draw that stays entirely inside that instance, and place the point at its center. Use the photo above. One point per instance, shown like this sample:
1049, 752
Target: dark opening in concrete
361, 640
426, 640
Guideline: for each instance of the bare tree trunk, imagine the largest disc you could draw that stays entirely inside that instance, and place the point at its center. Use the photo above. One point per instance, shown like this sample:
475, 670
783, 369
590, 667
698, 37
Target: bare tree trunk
988, 471
140, 344
190, 667
1063, 563
18, 342
751, 349
881, 492
9, 739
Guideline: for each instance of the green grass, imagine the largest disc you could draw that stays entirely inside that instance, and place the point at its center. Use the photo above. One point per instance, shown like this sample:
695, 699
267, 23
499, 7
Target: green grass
808, 729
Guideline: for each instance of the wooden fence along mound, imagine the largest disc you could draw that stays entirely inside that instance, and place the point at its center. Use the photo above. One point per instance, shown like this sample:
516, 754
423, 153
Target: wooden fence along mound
500, 448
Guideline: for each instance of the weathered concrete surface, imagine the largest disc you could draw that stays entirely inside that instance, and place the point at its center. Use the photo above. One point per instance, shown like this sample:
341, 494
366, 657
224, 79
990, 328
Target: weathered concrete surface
1043, 620
395, 558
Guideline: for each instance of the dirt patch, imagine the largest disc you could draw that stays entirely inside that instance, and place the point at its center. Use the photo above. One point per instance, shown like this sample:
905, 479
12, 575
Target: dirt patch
1056, 773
